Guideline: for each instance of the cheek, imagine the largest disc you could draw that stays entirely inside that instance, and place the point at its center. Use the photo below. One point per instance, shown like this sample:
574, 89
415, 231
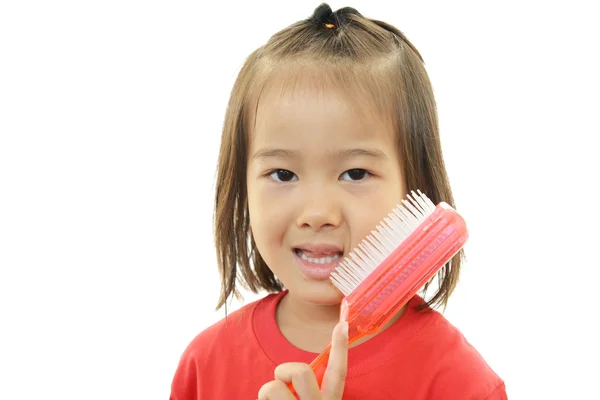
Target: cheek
370, 211
270, 215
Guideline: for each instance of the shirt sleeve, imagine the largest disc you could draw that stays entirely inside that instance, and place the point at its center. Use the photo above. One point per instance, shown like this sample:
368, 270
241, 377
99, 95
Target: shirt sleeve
498, 394
185, 382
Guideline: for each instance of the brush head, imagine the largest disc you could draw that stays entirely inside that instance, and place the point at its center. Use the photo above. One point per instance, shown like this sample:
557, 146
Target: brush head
375, 248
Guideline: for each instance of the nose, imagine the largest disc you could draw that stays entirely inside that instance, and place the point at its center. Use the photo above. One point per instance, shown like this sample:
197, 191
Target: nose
319, 212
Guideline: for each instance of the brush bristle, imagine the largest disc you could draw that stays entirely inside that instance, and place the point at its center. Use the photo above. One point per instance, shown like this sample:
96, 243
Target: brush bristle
375, 248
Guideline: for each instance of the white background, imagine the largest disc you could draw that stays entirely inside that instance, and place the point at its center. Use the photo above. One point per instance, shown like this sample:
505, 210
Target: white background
110, 118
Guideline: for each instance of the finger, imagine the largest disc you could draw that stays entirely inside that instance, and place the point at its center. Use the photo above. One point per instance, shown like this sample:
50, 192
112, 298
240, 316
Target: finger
337, 366
301, 376
275, 390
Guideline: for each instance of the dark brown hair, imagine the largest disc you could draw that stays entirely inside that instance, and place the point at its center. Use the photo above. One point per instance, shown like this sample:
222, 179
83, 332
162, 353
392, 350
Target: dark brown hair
367, 58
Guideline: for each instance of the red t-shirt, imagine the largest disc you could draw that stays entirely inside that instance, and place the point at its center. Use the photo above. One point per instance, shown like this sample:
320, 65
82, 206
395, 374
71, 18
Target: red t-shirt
421, 356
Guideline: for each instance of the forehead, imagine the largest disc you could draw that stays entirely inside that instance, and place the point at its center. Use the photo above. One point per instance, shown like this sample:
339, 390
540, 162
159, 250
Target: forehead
313, 107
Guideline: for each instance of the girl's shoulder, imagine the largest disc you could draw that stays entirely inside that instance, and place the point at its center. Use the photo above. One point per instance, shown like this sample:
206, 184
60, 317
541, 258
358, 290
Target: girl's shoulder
456, 366
222, 350
234, 327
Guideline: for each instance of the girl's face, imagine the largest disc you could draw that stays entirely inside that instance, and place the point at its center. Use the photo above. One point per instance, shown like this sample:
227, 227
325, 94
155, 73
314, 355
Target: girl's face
320, 177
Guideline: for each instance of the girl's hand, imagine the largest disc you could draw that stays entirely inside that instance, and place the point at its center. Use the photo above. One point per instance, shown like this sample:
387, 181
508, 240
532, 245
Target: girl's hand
303, 378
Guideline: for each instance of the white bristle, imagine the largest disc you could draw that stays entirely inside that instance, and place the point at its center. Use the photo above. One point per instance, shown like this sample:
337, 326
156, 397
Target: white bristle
392, 231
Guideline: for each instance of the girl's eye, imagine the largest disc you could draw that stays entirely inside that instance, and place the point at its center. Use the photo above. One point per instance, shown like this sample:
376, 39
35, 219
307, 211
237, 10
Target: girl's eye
282, 175
356, 174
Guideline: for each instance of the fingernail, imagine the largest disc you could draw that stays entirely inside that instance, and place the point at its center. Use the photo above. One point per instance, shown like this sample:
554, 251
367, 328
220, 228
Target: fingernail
345, 329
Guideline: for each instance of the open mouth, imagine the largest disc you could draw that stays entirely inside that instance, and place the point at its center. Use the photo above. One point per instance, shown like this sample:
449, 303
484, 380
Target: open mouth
321, 258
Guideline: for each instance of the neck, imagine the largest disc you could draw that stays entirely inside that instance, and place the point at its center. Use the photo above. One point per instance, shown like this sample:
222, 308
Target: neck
309, 326
292, 310
306, 325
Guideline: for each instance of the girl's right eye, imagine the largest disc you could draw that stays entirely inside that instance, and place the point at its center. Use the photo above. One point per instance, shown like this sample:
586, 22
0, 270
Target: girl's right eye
283, 175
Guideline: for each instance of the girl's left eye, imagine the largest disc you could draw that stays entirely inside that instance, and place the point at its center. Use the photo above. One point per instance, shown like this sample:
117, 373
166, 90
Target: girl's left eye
356, 174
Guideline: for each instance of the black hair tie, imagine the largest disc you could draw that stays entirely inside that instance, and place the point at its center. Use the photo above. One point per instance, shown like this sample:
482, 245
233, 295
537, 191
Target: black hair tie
324, 15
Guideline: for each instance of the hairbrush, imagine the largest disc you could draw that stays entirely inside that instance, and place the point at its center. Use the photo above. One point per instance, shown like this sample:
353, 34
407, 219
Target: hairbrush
389, 266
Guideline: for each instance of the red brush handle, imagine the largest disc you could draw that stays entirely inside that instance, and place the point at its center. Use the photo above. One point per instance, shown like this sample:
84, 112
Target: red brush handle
319, 364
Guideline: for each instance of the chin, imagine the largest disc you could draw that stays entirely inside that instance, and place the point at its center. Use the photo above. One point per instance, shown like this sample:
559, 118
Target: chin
318, 292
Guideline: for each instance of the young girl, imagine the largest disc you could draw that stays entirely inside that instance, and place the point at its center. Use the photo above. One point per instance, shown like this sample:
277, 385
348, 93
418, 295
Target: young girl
328, 127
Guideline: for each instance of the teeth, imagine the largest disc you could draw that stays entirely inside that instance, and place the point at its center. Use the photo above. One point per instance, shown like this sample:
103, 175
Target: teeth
321, 260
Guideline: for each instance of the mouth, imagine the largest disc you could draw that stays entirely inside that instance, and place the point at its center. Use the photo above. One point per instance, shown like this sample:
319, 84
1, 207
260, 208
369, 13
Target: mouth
322, 258
318, 264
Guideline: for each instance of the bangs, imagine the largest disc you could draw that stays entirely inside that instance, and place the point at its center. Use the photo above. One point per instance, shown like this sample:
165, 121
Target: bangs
373, 91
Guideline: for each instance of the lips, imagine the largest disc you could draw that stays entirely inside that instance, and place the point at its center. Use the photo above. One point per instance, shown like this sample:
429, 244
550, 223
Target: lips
318, 261
319, 250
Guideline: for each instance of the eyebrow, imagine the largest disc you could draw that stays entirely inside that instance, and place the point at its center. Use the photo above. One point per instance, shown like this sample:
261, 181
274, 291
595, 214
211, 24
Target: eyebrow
348, 153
